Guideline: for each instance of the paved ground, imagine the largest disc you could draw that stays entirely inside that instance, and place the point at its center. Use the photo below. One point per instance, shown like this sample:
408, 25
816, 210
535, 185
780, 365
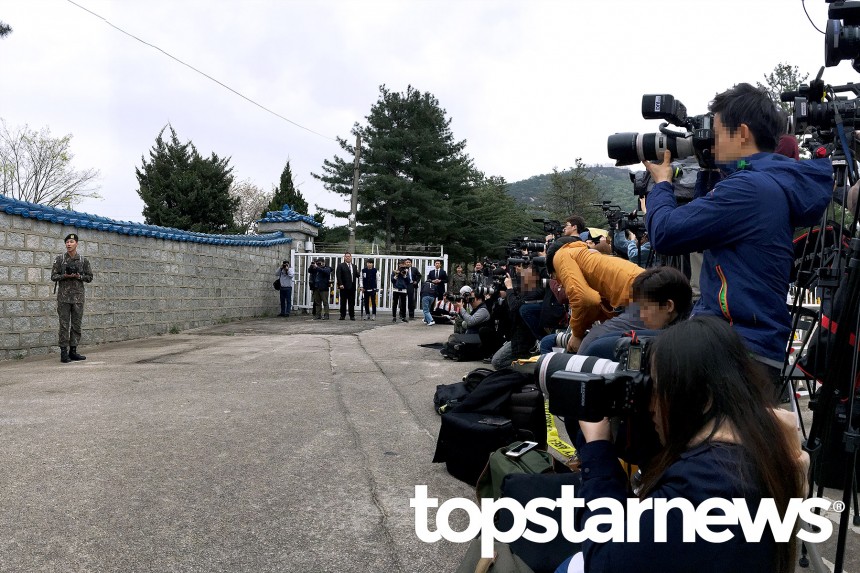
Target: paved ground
286, 445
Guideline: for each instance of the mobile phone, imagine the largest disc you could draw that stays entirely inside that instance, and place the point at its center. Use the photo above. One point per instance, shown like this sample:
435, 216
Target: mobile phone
494, 421
521, 449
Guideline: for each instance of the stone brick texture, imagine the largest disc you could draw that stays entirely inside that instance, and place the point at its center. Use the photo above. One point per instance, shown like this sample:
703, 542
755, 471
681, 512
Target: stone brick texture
142, 286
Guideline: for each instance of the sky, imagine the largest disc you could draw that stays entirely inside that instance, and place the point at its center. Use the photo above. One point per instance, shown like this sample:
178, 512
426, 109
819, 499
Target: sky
530, 86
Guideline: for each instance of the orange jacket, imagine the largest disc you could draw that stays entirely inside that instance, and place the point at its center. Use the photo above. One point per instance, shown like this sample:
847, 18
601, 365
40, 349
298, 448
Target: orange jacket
594, 283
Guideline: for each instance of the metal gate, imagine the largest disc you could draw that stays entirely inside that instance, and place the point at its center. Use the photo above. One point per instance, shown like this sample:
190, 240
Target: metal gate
386, 264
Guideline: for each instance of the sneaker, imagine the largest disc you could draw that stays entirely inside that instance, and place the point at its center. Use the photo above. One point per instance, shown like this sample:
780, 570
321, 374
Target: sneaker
352, 318
317, 318
342, 318
373, 317
394, 319
404, 320
431, 323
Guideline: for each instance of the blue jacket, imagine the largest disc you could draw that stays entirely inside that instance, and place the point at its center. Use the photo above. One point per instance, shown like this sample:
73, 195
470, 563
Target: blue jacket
635, 253
322, 278
745, 227
706, 471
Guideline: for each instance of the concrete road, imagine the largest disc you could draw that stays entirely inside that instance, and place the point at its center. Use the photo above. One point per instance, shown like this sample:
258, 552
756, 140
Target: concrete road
282, 445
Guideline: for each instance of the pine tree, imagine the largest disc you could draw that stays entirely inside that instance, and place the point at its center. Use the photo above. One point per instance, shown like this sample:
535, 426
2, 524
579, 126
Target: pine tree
411, 169
287, 194
183, 190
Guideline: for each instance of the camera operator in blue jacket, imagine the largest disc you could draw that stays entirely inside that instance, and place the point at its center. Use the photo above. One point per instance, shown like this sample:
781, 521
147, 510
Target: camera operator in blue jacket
745, 224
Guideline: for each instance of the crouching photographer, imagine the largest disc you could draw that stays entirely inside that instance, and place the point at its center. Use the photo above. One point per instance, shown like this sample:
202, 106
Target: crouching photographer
466, 342
709, 404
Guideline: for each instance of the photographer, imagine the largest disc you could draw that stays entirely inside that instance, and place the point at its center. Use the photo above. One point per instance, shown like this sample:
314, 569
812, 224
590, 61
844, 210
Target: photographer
662, 296
719, 439
595, 284
480, 315
638, 249
285, 275
400, 281
744, 225
321, 277
481, 275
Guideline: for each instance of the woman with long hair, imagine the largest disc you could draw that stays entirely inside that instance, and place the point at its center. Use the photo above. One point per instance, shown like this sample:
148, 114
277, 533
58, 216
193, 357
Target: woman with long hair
720, 437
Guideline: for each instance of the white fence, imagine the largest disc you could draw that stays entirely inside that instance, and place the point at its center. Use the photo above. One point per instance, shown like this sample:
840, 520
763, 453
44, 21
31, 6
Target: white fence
386, 264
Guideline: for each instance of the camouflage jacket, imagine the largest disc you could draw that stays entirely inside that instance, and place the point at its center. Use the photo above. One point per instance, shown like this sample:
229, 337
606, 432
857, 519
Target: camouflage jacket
71, 290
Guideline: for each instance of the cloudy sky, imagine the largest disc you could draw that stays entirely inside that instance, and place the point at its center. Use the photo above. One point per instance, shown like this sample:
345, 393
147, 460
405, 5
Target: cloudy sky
531, 85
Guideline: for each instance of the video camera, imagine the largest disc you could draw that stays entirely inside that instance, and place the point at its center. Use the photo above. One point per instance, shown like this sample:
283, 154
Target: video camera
842, 38
551, 227
633, 221
698, 139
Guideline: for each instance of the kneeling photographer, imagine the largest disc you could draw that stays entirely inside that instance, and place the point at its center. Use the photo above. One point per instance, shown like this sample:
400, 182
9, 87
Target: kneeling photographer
471, 328
709, 404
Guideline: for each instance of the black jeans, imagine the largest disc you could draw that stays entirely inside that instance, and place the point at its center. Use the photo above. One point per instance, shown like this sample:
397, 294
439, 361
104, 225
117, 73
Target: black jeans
398, 298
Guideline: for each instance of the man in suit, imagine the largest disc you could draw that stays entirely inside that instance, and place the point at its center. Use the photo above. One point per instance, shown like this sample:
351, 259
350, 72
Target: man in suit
346, 275
413, 276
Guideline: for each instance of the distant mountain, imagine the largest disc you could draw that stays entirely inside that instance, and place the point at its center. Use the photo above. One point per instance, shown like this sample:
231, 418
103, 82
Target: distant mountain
613, 184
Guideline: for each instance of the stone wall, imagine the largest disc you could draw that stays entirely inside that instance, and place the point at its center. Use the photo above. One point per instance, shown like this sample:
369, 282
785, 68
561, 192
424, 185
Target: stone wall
147, 280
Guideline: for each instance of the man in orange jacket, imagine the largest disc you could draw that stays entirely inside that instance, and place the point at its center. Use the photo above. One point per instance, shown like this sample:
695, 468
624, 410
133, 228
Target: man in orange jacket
595, 284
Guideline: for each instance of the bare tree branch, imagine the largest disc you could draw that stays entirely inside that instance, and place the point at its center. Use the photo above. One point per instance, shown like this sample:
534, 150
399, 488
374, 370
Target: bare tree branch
36, 167
252, 202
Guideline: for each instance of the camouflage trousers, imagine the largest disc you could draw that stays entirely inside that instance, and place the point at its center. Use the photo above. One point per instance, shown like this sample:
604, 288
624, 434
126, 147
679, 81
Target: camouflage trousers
71, 316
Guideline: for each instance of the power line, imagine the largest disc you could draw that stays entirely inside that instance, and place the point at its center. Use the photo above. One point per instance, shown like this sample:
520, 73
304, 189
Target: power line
199, 72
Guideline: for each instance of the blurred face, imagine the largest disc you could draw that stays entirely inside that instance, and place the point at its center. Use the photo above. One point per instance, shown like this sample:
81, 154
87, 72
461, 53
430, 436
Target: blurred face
347, 258
438, 265
408, 262
369, 265
656, 316
570, 230
479, 267
729, 147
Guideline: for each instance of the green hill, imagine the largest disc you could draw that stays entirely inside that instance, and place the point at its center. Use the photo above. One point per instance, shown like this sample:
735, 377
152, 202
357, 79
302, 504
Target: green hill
613, 184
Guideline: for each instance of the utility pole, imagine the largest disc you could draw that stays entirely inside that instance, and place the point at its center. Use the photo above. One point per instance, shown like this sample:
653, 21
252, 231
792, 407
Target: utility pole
353, 211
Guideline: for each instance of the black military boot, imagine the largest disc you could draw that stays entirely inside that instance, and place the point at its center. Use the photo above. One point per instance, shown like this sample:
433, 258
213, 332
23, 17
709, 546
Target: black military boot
64, 355
73, 354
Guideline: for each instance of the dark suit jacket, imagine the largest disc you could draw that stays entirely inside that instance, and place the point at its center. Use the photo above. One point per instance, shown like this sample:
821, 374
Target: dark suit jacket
442, 286
347, 275
414, 275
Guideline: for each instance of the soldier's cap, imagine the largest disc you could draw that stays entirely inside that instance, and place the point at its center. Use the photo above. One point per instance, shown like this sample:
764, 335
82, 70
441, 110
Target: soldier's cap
73, 236
285, 262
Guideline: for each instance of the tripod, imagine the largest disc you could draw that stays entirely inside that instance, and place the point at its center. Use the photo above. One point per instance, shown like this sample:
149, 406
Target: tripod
834, 360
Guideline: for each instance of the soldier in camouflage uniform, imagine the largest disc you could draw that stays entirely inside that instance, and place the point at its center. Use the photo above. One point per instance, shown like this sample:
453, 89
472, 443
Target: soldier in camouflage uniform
69, 274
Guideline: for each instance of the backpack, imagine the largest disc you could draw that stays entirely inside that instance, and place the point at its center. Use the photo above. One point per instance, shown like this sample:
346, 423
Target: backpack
450, 395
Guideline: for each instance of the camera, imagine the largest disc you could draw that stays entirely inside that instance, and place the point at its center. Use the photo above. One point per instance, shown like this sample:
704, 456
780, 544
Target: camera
842, 38
590, 389
551, 227
72, 268
697, 140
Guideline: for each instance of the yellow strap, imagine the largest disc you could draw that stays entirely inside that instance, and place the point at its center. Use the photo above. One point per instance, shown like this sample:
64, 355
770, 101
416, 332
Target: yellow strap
553, 440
